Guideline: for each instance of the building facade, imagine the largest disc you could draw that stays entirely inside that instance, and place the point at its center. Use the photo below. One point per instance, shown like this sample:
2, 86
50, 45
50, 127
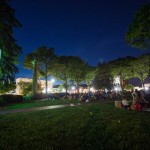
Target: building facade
41, 82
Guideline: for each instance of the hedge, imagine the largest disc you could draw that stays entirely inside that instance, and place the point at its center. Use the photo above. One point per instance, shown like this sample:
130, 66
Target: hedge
10, 99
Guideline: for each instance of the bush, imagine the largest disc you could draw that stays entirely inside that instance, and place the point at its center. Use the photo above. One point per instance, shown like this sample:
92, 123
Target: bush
10, 99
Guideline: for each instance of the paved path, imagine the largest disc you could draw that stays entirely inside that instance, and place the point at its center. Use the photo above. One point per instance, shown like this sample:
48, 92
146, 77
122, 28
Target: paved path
42, 108
35, 109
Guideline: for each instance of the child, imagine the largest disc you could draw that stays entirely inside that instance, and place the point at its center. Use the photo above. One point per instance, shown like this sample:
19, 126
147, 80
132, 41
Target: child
125, 104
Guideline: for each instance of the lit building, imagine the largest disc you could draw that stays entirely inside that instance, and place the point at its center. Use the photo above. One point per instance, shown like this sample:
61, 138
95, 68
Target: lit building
41, 82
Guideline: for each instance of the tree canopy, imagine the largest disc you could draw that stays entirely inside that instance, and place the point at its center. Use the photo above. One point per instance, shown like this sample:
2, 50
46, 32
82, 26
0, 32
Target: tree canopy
61, 70
122, 68
40, 61
78, 70
103, 78
138, 34
141, 67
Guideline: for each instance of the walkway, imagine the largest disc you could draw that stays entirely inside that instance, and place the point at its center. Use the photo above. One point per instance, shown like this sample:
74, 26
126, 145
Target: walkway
43, 108
35, 109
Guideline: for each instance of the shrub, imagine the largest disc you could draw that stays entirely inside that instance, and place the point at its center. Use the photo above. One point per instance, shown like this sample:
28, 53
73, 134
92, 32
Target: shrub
10, 99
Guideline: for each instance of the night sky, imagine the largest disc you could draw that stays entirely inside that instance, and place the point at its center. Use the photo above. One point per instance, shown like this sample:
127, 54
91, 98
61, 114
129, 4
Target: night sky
92, 29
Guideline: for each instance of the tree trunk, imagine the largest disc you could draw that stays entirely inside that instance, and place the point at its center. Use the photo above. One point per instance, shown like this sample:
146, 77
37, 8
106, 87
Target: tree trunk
89, 88
34, 85
122, 83
66, 87
142, 82
46, 78
78, 89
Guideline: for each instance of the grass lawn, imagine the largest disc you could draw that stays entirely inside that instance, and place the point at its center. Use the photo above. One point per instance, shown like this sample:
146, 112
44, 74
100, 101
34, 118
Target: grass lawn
86, 127
32, 104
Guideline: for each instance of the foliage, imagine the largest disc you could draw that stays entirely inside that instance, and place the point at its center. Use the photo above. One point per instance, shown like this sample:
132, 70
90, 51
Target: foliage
10, 99
61, 70
138, 34
26, 87
43, 57
78, 70
141, 68
90, 74
63, 86
10, 50
5, 88
128, 87
27, 63
122, 68
103, 79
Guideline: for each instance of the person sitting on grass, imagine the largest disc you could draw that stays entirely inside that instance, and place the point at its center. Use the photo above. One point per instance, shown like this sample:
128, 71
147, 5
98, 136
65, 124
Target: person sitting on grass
136, 106
125, 103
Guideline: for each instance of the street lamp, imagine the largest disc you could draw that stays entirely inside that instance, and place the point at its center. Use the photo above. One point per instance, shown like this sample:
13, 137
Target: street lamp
52, 81
73, 88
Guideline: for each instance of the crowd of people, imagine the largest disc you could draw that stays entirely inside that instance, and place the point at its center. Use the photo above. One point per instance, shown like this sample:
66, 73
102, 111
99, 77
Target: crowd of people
140, 100
98, 95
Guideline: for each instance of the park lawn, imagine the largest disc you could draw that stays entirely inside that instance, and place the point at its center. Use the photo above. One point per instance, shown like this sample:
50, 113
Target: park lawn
35, 103
89, 127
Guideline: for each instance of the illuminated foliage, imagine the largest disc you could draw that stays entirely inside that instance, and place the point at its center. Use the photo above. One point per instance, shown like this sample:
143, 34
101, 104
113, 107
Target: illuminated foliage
61, 70
122, 68
78, 70
26, 87
141, 67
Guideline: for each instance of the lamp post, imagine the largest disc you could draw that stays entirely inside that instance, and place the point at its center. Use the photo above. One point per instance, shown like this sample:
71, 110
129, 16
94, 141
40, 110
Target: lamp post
34, 85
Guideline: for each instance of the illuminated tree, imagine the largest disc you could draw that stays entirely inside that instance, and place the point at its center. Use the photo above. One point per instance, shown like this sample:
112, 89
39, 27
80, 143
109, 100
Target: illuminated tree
78, 70
45, 57
138, 34
9, 50
40, 61
26, 87
141, 67
90, 74
61, 70
122, 68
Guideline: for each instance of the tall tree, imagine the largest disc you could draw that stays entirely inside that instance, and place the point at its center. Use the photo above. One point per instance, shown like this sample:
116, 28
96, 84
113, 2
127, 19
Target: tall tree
103, 78
90, 74
40, 61
138, 34
9, 50
141, 67
123, 69
45, 57
61, 70
30, 62
78, 70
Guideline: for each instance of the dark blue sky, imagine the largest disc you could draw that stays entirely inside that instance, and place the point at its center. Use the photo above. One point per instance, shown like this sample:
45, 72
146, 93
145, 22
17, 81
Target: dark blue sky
92, 29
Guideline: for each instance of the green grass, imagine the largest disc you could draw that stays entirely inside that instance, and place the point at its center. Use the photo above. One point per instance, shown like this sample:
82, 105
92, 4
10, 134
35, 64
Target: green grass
86, 127
39, 104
